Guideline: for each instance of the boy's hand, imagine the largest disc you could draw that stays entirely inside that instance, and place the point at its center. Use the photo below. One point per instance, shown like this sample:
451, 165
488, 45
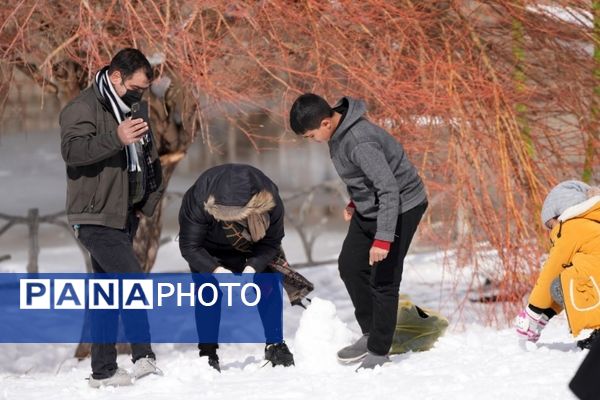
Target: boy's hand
376, 255
348, 212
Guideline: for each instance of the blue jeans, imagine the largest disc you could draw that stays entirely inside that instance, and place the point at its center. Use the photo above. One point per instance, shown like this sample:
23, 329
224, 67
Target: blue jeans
111, 251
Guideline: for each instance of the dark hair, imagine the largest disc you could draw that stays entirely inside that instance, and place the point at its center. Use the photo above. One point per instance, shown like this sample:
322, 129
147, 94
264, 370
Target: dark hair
307, 112
128, 61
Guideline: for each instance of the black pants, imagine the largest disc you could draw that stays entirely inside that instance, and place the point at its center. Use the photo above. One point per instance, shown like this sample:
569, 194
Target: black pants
374, 289
585, 383
112, 252
208, 318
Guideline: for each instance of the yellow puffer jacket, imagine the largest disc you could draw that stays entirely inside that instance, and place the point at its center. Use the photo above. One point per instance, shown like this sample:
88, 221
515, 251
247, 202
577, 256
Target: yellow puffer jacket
575, 258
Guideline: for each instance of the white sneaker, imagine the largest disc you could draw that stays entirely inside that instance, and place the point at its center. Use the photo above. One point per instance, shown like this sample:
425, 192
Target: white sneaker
120, 378
145, 366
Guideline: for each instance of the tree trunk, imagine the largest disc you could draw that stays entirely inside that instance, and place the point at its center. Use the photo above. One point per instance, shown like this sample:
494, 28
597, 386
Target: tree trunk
6, 75
33, 223
147, 238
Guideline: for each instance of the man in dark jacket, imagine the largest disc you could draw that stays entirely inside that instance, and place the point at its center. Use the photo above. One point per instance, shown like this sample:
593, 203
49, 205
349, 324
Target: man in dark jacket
387, 201
231, 220
113, 173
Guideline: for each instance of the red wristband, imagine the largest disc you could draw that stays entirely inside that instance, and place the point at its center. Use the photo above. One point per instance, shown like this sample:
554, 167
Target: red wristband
382, 244
351, 204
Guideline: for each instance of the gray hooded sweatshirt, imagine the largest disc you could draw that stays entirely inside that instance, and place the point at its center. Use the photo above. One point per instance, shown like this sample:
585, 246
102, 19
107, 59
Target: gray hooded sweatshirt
380, 179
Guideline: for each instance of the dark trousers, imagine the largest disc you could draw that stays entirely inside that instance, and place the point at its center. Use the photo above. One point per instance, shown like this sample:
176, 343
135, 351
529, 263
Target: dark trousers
112, 252
374, 289
585, 383
207, 318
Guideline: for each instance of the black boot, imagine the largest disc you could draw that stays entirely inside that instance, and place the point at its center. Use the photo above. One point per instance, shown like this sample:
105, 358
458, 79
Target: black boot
587, 342
279, 354
213, 358
213, 361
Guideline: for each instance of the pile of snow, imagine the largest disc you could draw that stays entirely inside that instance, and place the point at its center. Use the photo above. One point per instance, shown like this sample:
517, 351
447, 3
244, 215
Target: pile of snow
320, 334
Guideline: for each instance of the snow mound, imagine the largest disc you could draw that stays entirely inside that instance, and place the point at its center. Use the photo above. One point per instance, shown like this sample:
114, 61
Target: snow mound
320, 335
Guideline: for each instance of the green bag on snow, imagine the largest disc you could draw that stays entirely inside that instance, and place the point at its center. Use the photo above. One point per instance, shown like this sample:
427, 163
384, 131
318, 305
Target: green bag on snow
417, 329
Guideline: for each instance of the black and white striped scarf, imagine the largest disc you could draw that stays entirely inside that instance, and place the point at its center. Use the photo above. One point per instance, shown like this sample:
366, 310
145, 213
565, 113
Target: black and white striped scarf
119, 109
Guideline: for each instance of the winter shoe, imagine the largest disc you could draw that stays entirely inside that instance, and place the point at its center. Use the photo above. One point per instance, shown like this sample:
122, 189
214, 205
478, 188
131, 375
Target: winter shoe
120, 378
213, 361
213, 358
373, 360
145, 366
529, 325
587, 342
279, 354
355, 352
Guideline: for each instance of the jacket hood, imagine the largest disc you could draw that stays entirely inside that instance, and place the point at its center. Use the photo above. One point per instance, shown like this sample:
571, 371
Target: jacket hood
562, 196
355, 111
589, 209
236, 192
260, 203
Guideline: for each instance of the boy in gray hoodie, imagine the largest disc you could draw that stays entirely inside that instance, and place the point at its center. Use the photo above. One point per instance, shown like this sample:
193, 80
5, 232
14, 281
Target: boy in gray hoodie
387, 201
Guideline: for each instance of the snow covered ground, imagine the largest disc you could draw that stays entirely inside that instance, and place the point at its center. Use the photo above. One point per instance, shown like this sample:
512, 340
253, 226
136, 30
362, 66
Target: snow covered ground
470, 362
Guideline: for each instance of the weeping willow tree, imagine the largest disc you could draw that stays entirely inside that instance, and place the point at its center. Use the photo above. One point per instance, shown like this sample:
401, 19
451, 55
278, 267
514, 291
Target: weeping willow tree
495, 101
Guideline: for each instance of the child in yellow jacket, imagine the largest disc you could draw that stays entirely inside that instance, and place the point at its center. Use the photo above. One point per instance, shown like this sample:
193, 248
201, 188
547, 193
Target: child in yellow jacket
570, 277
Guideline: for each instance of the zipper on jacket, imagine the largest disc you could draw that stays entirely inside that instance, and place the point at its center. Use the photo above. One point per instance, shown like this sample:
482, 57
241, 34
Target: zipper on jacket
125, 189
565, 309
93, 199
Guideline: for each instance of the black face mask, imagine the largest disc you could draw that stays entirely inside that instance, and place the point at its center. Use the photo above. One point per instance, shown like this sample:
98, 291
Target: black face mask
132, 96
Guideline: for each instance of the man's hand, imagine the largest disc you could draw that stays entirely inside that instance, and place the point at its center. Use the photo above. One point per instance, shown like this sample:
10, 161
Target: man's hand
348, 212
376, 255
131, 130
222, 270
